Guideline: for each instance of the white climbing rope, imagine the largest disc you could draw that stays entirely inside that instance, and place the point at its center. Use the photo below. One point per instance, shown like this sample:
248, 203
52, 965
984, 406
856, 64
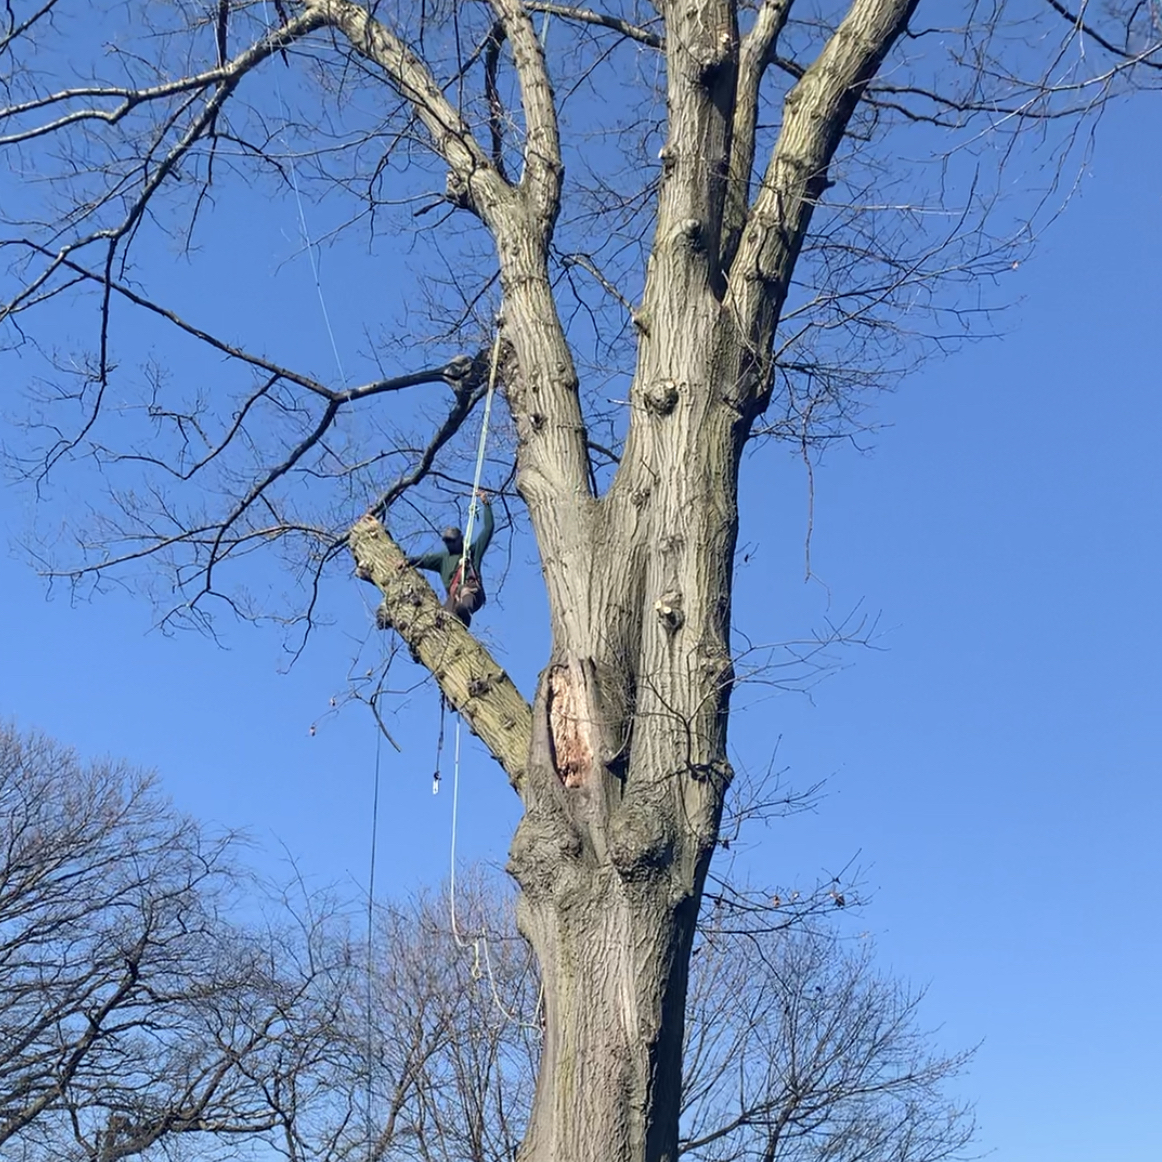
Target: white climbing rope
472, 503
480, 448
482, 957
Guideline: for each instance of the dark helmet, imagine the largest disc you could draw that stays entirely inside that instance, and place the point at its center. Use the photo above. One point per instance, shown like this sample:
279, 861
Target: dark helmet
453, 538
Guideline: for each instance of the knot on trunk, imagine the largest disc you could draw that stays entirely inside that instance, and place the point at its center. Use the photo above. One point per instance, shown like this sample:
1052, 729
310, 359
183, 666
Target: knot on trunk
542, 840
660, 398
718, 771
456, 191
668, 607
689, 233
640, 843
478, 687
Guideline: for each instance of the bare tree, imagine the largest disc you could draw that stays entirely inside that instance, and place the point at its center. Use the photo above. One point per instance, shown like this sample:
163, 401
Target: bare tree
132, 1011
433, 1046
736, 253
797, 1050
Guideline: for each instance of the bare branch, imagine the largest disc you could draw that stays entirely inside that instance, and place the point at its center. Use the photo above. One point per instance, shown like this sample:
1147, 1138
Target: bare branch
491, 60
103, 280
756, 53
19, 28
1078, 21
467, 381
226, 76
473, 181
541, 180
601, 20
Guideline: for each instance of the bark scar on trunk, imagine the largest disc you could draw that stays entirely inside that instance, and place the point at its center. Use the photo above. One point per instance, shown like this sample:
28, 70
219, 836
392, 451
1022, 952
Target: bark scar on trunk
572, 754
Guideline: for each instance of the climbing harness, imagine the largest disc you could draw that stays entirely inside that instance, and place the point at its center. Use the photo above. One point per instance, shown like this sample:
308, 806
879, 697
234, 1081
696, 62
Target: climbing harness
466, 588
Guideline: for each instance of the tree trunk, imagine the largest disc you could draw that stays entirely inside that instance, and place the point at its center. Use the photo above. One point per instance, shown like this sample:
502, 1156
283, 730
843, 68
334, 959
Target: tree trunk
625, 774
628, 770
613, 956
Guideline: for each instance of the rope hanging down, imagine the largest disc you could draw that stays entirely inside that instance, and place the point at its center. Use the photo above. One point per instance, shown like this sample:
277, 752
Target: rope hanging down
481, 954
482, 959
473, 503
462, 571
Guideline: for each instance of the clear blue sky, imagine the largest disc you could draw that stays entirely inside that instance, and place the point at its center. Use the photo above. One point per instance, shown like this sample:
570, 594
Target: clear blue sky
995, 766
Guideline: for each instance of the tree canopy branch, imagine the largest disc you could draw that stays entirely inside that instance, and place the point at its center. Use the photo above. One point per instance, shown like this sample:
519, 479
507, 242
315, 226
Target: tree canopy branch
1077, 19
756, 52
226, 75
600, 20
816, 114
541, 180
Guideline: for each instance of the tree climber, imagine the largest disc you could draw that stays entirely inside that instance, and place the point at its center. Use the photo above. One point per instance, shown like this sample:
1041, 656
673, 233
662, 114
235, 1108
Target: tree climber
465, 594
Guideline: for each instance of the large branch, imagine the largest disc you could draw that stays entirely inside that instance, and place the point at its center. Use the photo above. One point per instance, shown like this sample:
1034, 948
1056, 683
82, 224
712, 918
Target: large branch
701, 73
755, 54
467, 674
543, 399
541, 181
816, 114
473, 181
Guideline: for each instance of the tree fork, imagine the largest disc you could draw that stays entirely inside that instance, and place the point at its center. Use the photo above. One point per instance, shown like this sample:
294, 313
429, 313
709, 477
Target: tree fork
611, 923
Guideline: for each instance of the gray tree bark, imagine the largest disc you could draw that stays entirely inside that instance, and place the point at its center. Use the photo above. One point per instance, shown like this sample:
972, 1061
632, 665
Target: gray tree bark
626, 770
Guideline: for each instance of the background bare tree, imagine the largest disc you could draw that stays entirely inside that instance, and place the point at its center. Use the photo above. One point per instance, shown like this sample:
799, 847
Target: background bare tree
434, 1041
133, 1010
738, 257
798, 1050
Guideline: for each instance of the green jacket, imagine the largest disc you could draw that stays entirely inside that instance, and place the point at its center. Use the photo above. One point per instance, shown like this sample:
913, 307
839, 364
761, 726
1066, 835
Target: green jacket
446, 564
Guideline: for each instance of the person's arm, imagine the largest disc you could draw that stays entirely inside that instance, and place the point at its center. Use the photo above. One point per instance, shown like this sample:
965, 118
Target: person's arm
432, 561
481, 541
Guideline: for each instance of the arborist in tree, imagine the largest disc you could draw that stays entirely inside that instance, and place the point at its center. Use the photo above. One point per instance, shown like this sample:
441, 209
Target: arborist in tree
465, 593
